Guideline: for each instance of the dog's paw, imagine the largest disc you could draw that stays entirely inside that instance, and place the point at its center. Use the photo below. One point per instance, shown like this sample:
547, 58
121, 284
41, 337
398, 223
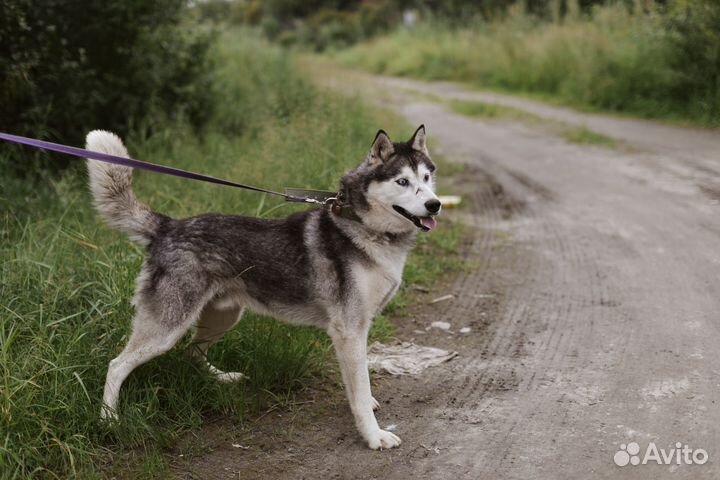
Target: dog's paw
108, 414
382, 440
230, 377
226, 377
375, 404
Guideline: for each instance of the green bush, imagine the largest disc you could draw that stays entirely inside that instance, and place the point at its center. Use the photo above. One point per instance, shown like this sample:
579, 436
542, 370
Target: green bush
66, 67
694, 27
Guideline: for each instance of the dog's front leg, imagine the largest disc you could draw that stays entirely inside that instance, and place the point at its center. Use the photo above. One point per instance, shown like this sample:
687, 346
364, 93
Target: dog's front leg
351, 349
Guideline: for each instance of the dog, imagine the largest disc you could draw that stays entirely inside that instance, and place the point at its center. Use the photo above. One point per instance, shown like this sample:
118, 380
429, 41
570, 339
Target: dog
333, 268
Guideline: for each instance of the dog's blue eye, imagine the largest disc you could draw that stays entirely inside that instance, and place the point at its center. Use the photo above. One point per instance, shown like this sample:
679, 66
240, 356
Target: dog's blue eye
403, 182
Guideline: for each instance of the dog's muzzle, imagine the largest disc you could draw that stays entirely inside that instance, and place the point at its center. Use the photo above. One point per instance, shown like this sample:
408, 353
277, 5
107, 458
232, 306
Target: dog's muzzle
423, 223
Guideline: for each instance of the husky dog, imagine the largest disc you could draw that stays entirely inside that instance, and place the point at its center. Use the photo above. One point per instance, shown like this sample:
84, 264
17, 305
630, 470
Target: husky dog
334, 268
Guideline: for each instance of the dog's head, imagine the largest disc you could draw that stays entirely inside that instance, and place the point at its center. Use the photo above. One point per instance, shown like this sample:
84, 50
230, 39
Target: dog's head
393, 190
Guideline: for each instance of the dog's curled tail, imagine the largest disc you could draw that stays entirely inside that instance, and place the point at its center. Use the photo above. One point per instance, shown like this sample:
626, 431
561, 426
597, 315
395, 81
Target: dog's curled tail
111, 188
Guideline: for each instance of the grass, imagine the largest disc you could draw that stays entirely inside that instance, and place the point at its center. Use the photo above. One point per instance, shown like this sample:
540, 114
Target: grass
67, 279
573, 134
642, 64
585, 136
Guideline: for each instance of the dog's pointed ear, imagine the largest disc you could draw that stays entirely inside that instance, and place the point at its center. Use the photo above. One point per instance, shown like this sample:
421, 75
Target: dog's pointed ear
417, 142
381, 150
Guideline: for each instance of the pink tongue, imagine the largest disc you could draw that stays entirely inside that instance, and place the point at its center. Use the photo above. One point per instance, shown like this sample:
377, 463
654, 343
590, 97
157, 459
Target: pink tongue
428, 222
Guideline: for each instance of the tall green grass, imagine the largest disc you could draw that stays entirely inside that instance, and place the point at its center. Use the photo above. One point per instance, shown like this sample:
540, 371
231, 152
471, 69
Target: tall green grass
66, 280
641, 63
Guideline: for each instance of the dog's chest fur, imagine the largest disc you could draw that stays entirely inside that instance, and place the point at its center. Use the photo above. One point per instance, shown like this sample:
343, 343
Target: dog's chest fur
378, 282
376, 269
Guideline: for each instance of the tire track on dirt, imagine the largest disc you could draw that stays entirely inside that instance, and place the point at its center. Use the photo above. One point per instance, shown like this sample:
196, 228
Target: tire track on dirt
494, 206
539, 306
533, 306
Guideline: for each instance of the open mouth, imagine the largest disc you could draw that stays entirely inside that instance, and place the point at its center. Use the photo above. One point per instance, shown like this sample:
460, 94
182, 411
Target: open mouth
423, 223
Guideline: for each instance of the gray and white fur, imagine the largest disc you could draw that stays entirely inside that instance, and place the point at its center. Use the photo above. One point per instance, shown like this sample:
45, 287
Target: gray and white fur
317, 267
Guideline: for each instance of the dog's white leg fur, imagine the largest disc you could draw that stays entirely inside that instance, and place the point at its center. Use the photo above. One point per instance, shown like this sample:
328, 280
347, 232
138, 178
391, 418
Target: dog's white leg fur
375, 403
351, 350
211, 326
147, 341
155, 330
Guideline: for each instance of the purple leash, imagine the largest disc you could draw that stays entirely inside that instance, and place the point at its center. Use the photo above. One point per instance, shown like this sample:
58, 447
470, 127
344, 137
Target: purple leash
151, 167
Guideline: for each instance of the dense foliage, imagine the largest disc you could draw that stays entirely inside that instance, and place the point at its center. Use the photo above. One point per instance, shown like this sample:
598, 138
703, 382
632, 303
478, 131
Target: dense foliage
694, 31
66, 67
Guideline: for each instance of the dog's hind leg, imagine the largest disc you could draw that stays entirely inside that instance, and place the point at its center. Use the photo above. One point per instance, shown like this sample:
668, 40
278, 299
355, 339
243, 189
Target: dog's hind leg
155, 330
211, 326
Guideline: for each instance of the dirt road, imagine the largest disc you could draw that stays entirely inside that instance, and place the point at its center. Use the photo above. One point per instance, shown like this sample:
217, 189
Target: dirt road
592, 298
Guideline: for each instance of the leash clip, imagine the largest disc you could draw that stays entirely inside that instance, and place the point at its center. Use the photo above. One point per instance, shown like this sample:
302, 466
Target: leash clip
336, 203
315, 197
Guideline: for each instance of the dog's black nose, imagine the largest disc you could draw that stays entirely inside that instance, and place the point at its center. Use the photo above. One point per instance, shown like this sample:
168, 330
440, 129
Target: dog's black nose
433, 206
